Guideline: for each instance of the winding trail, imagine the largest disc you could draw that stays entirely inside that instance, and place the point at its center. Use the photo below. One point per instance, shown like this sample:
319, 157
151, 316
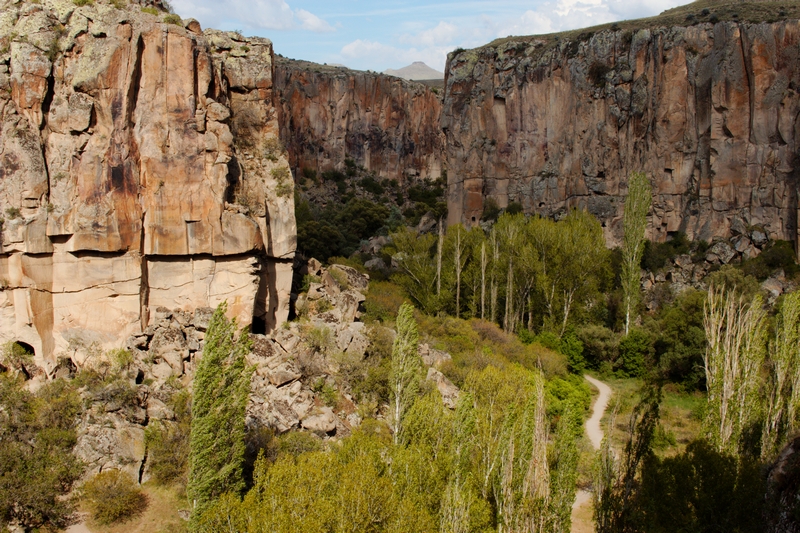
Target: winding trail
582, 508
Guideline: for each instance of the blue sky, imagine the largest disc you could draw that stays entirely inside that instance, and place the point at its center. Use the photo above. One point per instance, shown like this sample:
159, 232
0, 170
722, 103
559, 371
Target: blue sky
372, 35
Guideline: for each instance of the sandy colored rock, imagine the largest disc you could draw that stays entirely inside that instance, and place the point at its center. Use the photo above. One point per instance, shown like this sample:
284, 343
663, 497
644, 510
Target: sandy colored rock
139, 179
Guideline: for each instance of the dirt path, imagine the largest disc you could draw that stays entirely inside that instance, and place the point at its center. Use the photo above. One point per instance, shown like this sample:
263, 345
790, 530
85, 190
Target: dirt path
78, 528
593, 430
582, 508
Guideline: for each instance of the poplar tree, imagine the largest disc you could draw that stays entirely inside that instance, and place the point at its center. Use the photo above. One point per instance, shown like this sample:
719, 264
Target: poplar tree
217, 439
634, 224
735, 333
784, 366
406, 368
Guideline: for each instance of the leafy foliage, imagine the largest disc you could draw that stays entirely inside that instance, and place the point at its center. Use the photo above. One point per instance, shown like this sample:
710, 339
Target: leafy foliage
112, 496
168, 442
217, 439
37, 467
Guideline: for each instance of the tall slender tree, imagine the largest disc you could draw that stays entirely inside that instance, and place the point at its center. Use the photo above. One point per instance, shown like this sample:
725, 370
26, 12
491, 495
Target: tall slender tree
634, 224
735, 332
784, 365
217, 439
406, 368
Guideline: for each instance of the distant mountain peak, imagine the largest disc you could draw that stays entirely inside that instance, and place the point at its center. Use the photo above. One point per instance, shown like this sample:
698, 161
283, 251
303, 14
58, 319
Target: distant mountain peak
417, 70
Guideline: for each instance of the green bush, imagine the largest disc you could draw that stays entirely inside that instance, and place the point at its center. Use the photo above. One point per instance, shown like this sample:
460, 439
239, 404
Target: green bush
600, 345
112, 496
308, 279
296, 443
168, 442
370, 184
340, 277
657, 255
777, 255
37, 466
636, 353
81, 3
149, 10
490, 210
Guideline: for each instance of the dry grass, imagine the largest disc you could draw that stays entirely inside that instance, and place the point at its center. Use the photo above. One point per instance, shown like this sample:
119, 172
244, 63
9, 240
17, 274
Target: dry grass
161, 516
681, 416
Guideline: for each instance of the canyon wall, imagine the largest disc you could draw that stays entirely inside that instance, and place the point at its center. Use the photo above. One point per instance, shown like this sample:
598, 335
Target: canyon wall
710, 112
386, 124
139, 169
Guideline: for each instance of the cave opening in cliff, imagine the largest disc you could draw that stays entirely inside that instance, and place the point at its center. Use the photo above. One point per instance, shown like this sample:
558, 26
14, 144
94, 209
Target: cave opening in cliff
20, 347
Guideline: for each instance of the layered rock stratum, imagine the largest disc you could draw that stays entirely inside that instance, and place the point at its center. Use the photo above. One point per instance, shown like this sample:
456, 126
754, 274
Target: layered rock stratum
139, 168
710, 111
388, 125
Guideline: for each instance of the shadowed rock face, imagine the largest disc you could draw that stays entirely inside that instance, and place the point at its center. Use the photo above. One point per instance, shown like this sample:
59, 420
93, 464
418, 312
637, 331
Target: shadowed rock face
386, 124
135, 172
709, 112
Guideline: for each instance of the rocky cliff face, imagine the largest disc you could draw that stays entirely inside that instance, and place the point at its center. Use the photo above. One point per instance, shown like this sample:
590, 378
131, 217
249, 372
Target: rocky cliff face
710, 112
387, 125
139, 168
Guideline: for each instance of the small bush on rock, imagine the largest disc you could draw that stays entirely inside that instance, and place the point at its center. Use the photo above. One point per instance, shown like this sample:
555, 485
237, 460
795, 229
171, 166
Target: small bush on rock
113, 497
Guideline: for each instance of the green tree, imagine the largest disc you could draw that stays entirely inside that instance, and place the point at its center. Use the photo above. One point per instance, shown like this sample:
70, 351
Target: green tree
217, 439
780, 417
406, 368
37, 466
735, 331
634, 224
417, 268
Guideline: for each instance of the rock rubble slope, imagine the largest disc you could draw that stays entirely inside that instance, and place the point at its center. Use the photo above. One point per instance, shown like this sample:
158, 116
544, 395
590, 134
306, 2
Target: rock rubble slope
139, 168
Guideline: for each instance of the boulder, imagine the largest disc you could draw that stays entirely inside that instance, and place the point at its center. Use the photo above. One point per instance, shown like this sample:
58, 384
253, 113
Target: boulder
445, 387
321, 421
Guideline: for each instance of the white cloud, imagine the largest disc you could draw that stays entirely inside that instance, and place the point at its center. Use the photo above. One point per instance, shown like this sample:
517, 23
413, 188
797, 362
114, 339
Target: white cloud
443, 33
257, 14
309, 21
378, 56
430, 39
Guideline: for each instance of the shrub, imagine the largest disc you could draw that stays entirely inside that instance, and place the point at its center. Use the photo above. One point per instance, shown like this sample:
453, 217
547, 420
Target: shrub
597, 74
319, 338
635, 350
173, 19
150, 10
308, 279
37, 466
326, 392
776, 255
310, 174
168, 442
514, 208
656, 255
296, 443
121, 359
370, 184
273, 148
490, 210
600, 345
13, 212
112, 496
340, 277
81, 3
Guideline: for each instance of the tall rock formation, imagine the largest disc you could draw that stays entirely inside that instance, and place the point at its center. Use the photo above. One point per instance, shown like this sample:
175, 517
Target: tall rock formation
139, 168
328, 114
711, 112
